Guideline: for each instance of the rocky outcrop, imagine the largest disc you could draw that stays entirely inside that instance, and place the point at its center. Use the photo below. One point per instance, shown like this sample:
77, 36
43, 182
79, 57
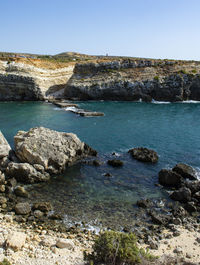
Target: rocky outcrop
185, 171
4, 146
19, 81
51, 149
144, 154
25, 173
170, 178
134, 79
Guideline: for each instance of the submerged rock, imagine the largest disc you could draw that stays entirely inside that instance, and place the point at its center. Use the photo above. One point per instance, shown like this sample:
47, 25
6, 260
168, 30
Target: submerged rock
4, 146
115, 163
185, 171
42, 206
144, 154
169, 178
51, 149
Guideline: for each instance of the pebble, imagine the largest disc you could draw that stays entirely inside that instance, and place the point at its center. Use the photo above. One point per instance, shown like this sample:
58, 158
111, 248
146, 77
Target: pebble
178, 250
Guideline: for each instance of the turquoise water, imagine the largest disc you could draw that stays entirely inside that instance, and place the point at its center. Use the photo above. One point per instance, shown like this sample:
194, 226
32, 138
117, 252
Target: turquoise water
84, 192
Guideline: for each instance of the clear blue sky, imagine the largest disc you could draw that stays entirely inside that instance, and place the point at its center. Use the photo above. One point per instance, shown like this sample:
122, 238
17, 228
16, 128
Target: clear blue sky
141, 28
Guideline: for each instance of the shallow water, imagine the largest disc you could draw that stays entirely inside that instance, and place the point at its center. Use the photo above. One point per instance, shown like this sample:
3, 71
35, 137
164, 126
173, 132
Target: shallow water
84, 193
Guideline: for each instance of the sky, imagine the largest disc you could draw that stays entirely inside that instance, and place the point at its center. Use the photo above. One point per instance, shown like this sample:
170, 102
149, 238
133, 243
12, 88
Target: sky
139, 28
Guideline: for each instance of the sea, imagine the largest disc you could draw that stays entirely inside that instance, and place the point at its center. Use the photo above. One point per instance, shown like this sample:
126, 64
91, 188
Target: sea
84, 193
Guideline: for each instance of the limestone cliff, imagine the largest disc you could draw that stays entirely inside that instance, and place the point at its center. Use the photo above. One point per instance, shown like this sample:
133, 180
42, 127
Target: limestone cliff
134, 79
21, 81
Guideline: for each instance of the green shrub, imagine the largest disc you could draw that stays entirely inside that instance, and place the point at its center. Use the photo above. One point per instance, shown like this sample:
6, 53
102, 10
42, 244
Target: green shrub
182, 72
156, 78
115, 248
194, 71
5, 262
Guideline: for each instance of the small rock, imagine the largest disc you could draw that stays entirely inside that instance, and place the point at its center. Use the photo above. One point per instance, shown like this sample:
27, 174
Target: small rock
42, 206
170, 178
96, 163
3, 200
38, 214
21, 192
176, 233
12, 182
144, 203
2, 188
115, 163
178, 250
198, 239
65, 243
15, 240
188, 256
22, 208
108, 175
190, 207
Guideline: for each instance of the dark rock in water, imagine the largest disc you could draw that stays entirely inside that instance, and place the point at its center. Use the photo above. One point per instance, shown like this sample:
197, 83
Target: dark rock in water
185, 171
42, 206
181, 195
108, 175
21, 192
96, 163
190, 207
115, 163
144, 154
22, 208
169, 178
51, 149
25, 173
144, 203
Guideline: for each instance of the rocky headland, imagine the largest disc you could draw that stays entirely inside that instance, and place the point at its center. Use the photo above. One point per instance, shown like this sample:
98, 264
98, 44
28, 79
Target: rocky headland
135, 79
103, 78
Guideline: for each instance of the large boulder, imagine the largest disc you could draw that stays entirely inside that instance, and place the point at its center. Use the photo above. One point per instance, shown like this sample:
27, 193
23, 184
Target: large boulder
51, 149
169, 178
4, 146
144, 154
25, 173
181, 195
185, 171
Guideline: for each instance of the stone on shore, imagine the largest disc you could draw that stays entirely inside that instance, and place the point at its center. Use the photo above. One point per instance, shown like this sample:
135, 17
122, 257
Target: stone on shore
169, 178
26, 173
51, 149
4, 146
15, 240
185, 171
22, 208
21, 192
65, 243
144, 154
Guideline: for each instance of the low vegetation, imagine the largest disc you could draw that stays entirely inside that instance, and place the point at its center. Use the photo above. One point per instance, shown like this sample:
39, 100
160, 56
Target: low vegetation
116, 248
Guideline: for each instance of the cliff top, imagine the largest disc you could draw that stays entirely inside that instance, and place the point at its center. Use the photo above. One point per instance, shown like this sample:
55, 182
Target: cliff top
71, 58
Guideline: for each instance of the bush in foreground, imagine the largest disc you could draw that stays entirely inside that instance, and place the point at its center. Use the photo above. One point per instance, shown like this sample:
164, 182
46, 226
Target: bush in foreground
115, 248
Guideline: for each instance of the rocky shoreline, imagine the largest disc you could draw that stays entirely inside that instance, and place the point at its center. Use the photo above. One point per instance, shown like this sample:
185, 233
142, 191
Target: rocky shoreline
41, 152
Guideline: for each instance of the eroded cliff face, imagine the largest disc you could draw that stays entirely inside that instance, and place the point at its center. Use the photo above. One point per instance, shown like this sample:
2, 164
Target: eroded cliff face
20, 81
134, 79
